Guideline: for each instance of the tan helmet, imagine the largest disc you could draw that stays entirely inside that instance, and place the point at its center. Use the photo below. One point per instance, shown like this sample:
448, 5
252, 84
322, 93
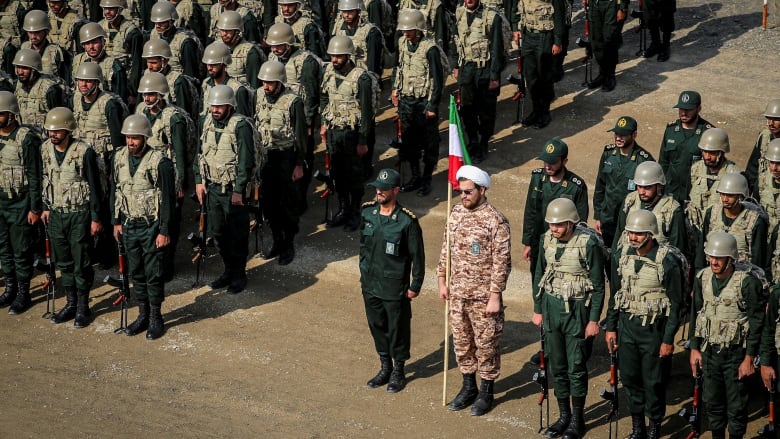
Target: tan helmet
137, 125
289, 2
648, 174
217, 53
113, 4
350, 5
773, 151
162, 11
89, 71
8, 102
91, 31
411, 19
28, 58
222, 95
36, 20
561, 210
157, 47
772, 108
714, 139
733, 183
272, 71
154, 82
721, 245
341, 45
231, 20
642, 221
59, 118
280, 33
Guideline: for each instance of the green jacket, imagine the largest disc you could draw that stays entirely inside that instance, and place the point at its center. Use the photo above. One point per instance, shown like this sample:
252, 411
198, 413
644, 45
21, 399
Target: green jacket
615, 180
679, 149
541, 191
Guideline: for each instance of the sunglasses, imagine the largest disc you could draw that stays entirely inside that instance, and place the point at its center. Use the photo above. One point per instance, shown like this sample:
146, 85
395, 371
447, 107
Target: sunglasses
467, 191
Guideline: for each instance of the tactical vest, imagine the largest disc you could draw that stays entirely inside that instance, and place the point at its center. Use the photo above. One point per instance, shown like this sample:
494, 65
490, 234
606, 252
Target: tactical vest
770, 198
184, 8
216, 11
473, 42
50, 57
413, 77
115, 42
65, 186
299, 27
741, 228
664, 213
763, 164
162, 138
92, 125
537, 15
9, 23
32, 103
360, 40
106, 68
274, 122
568, 277
642, 292
343, 109
13, 176
721, 319
293, 67
231, 82
237, 68
62, 31
179, 38
218, 160
702, 196
137, 196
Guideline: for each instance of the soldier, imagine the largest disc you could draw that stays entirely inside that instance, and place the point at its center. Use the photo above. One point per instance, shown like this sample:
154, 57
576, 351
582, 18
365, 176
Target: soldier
615, 176
568, 297
392, 270
64, 25
552, 181
727, 320
770, 340
143, 197
281, 123
20, 203
252, 30
36, 92
705, 173
642, 319
72, 197
606, 27
123, 41
768, 187
308, 34
11, 31
184, 90
479, 249
246, 57
184, 44
756, 164
347, 116
480, 61
417, 88
366, 36
659, 19
217, 57
225, 167
55, 59
93, 40
435, 15
680, 145
191, 17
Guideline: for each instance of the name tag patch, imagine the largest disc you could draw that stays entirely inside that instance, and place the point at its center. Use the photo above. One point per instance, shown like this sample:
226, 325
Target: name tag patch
475, 248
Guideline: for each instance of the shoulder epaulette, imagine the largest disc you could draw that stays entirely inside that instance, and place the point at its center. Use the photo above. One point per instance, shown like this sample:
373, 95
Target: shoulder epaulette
610, 147
538, 171
409, 212
644, 154
369, 203
574, 178
673, 123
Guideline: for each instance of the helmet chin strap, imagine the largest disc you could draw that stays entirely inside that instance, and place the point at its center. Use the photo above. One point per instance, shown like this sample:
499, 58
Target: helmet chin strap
118, 14
648, 237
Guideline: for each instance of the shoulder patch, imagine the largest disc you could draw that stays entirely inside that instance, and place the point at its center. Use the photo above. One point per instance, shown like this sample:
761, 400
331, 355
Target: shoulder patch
574, 178
644, 154
408, 212
610, 147
672, 123
369, 203
538, 171
709, 125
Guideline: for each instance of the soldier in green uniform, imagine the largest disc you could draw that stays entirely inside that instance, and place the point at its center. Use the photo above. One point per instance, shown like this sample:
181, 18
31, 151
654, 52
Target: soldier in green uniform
756, 164
246, 56
123, 41
552, 181
252, 29
184, 90
606, 26
768, 195
392, 269
658, 15
707, 172
72, 197
20, 203
435, 14
184, 44
93, 41
643, 317
143, 196
680, 145
727, 319
12, 13
217, 58
615, 178
36, 92
64, 25
224, 169
56, 59
308, 34
770, 342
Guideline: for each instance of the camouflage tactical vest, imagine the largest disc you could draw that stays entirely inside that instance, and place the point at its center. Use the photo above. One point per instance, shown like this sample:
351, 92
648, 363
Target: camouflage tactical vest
65, 186
663, 210
218, 160
106, 67
741, 228
51, 56
161, 139
9, 24
642, 293
568, 277
179, 38
115, 42
766, 137
63, 30
343, 109
13, 176
293, 67
137, 196
702, 196
274, 123
360, 40
537, 15
413, 77
299, 26
91, 125
237, 69
473, 42
32, 103
721, 319
769, 198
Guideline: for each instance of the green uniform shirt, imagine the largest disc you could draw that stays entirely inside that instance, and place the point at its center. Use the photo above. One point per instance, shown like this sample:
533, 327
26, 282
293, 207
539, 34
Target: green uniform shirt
366, 106
188, 55
541, 191
31, 150
92, 174
679, 149
497, 58
615, 180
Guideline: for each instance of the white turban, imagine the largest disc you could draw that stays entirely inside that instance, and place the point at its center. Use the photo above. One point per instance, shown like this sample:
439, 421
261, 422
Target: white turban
473, 173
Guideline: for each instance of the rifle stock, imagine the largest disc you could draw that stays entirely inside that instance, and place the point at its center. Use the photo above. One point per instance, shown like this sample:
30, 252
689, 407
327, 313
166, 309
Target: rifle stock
540, 377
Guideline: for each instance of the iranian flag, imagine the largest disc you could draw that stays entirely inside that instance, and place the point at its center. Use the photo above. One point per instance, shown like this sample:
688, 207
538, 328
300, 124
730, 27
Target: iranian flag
458, 154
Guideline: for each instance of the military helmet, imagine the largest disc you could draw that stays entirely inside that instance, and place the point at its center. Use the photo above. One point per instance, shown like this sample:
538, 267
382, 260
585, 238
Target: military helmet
162, 11
272, 71
341, 45
714, 139
154, 82
137, 125
289, 2
231, 20
721, 245
89, 71
28, 58
411, 19
157, 47
8, 102
642, 221
350, 5
59, 118
773, 151
36, 20
561, 210
649, 173
91, 31
217, 53
772, 108
222, 95
113, 4
280, 33
733, 183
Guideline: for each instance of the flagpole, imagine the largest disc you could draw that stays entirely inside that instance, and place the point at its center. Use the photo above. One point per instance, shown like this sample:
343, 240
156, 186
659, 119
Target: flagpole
447, 302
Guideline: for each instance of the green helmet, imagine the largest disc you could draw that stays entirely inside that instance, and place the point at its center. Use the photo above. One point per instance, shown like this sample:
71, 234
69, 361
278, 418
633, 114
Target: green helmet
341, 45
59, 118
733, 183
772, 108
113, 4
280, 33
217, 53
89, 71
714, 139
28, 58
36, 20
137, 125
231, 20
411, 19
350, 5
162, 11
721, 245
773, 151
91, 31
272, 71
642, 221
154, 82
648, 174
8, 102
156, 47
222, 95
561, 210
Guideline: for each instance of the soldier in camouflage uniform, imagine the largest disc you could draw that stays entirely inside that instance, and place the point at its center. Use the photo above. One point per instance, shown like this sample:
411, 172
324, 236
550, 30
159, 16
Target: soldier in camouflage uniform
247, 57
479, 247
11, 20
756, 163
55, 59
217, 58
727, 321
252, 29
184, 44
568, 294
184, 90
64, 25
123, 41
308, 34
36, 92
93, 40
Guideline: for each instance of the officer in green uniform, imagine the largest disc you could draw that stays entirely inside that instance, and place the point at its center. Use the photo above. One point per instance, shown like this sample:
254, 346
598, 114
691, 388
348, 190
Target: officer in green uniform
756, 164
217, 58
71, 200
727, 319
392, 269
224, 170
246, 56
606, 19
658, 16
36, 92
93, 41
642, 319
20, 203
615, 178
143, 196
568, 290
552, 181
680, 145
435, 14
185, 46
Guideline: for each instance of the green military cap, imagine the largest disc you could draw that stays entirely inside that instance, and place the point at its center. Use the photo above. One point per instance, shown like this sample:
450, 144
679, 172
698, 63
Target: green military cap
554, 151
387, 179
624, 126
688, 100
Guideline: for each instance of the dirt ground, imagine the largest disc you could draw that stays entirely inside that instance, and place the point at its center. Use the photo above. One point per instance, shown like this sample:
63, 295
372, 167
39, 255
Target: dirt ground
290, 356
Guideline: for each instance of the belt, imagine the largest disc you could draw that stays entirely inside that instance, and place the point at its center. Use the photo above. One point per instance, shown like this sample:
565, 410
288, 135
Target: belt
534, 31
69, 209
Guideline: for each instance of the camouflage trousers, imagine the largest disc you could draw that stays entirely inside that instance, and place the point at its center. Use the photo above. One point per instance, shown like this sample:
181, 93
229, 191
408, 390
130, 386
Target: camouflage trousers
475, 337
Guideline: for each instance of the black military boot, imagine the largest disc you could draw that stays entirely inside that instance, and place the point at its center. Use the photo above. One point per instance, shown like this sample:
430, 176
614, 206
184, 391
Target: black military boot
222, 281
425, 187
655, 43
83, 314
277, 246
484, 401
665, 52
598, 81
69, 310
415, 181
719, 433
467, 395
156, 324
353, 220
638, 429
141, 322
531, 119
23, 300
288, 252
383, 376
11, 290
654, 432
397, 378
238, 284
564, 417
340, 218
576, 428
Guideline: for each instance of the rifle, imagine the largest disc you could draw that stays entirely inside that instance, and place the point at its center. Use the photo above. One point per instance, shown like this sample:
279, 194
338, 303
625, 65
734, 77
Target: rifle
612, 395
768, 430
50, 286
397, 141
123, 284
199, 241
540, 377
256, 225
642, 29
326, 178
585, 43
693, 415
518, 80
